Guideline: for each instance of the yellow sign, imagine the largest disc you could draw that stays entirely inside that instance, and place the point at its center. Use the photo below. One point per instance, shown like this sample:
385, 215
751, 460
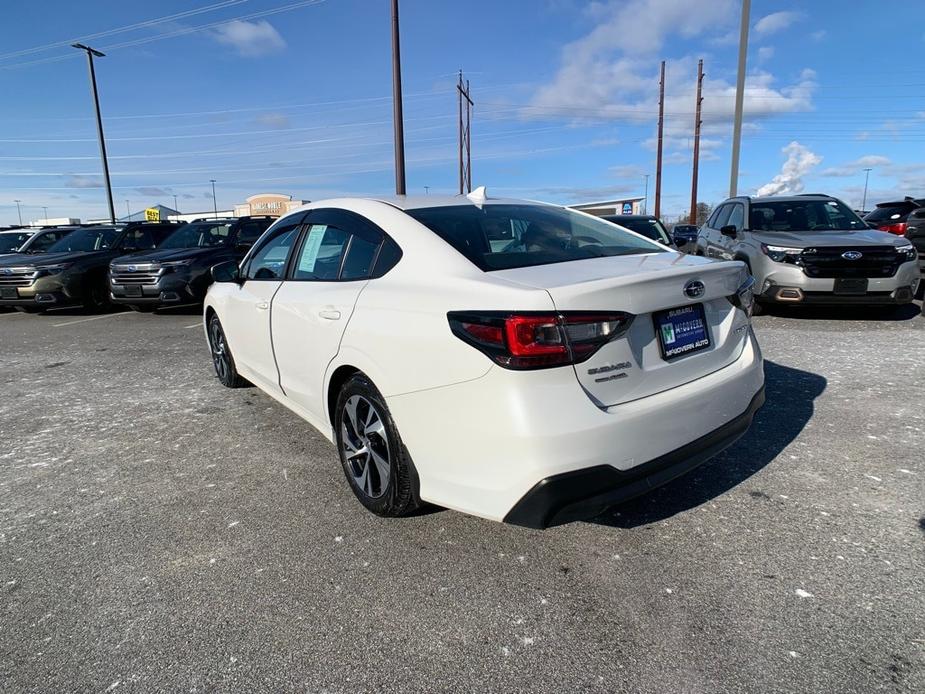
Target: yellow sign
152, 214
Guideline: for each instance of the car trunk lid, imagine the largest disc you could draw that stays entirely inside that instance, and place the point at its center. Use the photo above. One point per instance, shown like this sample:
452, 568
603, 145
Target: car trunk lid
633, 365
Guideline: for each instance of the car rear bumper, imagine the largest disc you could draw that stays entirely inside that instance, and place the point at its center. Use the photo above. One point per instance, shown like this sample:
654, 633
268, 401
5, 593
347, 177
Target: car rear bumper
586, 493
483, 446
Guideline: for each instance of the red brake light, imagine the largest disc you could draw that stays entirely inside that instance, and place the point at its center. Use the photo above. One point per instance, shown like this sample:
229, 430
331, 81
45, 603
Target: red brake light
537, 340
899, 228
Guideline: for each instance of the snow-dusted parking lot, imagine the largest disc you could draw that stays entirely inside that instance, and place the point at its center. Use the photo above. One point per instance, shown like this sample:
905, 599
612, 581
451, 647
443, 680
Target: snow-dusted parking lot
161, 533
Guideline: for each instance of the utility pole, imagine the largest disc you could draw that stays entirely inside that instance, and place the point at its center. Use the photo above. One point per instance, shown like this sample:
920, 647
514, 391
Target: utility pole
866, 178
18, 211
658, 157
45, 212
214, 203
740, 98
91, 52
465, 140
128, 212
397, 106
645, 204
697, 124
176, 209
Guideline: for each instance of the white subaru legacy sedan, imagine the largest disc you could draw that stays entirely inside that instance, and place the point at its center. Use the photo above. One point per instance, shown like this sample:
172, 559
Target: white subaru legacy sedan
514, 360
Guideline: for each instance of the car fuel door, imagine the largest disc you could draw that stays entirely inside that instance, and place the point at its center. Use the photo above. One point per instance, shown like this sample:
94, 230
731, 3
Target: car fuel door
329, 270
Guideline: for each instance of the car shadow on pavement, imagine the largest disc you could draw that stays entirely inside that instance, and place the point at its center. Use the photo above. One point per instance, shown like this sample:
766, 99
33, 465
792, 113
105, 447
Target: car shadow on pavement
847, 313
787, 410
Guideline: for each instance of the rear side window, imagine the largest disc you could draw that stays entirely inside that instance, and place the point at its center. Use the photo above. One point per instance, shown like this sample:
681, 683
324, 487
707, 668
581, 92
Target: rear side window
540, 235
359, 261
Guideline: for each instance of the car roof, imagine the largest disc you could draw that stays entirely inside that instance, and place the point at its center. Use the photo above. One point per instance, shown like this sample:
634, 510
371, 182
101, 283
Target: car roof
786, 198
19, 231
417, 202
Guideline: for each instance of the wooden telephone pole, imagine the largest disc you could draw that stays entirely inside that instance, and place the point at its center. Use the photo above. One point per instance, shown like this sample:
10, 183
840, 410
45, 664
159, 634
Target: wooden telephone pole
697, 124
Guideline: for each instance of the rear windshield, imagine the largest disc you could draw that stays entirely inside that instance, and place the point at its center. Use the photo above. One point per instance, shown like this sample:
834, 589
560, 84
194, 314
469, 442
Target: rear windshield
890, 214
501, 237
11, 242
94, 239
199, 235
803, 215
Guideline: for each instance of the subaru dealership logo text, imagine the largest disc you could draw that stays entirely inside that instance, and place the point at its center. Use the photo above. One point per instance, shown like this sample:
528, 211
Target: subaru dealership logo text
852, 255
694, 289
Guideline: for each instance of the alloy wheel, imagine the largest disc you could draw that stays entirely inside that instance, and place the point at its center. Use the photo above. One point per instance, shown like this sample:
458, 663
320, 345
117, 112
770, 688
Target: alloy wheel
365, 446
219, 351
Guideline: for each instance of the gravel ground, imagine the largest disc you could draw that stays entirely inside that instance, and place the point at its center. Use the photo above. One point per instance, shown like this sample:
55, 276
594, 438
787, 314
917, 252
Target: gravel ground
161, 533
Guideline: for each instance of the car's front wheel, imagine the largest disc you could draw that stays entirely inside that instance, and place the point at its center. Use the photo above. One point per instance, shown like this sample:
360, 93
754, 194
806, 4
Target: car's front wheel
377, 465
221, 356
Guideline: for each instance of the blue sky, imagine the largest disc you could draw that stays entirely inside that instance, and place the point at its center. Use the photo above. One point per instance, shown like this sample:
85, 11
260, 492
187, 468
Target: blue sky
293, 97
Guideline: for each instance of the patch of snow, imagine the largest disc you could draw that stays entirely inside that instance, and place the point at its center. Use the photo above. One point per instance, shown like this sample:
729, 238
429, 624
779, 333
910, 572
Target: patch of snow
802, 593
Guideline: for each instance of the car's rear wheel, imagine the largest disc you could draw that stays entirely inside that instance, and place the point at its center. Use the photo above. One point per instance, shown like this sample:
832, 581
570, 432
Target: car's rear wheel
97, 296
221, 356
375, 461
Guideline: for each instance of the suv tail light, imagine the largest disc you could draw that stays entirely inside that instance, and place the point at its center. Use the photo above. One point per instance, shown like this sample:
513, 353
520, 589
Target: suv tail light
532, 340
899, 228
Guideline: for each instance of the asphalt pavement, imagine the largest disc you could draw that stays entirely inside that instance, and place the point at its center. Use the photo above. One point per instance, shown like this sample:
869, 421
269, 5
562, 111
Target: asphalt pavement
161, 533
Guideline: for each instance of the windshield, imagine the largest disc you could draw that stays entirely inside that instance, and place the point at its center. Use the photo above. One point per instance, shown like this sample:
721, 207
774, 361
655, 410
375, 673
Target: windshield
650, 228
12, 242
199, 235
92, 239
803, 215
500, 237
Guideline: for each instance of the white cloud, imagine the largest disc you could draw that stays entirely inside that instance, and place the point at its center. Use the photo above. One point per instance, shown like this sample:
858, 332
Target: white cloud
800, 161
776, 21
819, 35
279, 121
83, 182
765, 53
854, 168
250, 38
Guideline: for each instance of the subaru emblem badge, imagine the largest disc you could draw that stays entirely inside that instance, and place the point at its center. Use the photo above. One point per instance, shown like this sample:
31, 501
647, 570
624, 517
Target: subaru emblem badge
694, 289
852, 255
7, 271
132, 268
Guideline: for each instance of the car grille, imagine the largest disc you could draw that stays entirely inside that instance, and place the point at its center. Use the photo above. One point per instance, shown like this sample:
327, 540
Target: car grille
144, 273
17, 276
874, 261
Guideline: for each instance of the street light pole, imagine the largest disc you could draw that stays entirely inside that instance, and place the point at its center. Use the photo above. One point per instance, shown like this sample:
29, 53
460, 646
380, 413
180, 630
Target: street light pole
18, 211
91, 52
645, 204
214, 204
128, 212
740, 97
866, 178
176, 209
397, 105
45, 212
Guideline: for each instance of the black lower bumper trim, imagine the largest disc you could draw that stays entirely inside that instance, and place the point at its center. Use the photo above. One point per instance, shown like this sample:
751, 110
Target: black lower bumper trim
583, 494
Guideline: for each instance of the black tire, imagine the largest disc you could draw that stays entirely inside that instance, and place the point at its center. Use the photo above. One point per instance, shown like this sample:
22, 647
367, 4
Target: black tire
758, 308
397, 496
222, 361
97, 296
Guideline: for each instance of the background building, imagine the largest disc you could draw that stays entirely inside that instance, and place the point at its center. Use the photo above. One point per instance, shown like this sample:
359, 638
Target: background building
273, 204
608, 207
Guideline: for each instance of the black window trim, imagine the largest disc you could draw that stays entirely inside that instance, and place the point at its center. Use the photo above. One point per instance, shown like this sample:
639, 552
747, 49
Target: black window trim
351, 223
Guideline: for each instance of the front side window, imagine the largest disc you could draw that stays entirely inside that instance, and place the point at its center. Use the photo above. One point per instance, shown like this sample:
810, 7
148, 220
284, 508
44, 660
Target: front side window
737, 217
803, 215
269, 261
542, 234
86, 240
199, 235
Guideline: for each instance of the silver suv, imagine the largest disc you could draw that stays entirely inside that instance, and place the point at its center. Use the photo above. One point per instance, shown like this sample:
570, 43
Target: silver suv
811, 249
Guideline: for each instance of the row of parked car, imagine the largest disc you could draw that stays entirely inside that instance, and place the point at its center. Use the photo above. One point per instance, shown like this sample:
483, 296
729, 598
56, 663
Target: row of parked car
808, 249
140, 264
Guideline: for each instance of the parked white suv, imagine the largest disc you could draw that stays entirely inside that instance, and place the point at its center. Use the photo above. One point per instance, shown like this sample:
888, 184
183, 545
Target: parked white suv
517, 361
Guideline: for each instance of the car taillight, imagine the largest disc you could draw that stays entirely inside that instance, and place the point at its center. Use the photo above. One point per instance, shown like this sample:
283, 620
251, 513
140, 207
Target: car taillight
899, 228
531, 340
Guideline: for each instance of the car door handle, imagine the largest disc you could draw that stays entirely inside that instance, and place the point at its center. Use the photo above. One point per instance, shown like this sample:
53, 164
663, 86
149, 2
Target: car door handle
329, 313
263, 305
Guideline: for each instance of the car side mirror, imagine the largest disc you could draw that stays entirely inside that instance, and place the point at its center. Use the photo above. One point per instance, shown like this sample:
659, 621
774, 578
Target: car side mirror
226, 272
729, 230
